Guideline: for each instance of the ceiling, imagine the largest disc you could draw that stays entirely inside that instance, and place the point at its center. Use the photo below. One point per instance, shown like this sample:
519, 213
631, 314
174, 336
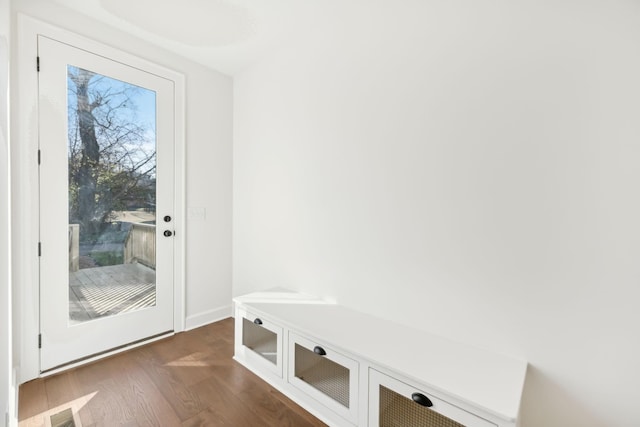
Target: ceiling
226, 35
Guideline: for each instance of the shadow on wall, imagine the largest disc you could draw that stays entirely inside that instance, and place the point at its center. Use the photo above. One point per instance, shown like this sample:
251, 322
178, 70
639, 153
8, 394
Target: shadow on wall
546, 403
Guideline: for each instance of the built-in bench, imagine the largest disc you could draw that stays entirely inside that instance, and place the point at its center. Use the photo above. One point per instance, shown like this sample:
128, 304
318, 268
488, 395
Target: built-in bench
352, 369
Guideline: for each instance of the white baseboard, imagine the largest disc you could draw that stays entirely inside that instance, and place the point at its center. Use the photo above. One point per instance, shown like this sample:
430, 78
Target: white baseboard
12, 410
207, 317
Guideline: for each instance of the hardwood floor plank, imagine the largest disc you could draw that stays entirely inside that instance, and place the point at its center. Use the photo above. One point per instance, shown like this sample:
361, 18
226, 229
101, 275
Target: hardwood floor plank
224, 407
63, 392
151, 408
145, 404
108, 406
32, 397
187, 380
208, 418
268, 407
293, 406
170, 381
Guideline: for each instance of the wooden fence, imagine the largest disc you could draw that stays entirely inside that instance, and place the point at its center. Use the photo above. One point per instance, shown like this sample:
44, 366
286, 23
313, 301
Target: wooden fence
140, 245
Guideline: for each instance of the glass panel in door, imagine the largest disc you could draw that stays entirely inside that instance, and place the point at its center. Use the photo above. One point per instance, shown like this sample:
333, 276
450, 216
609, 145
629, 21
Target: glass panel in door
111, 126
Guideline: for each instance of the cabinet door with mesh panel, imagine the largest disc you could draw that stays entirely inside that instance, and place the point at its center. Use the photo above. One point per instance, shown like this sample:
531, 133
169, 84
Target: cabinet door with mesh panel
393, 403
325, 375
261, 341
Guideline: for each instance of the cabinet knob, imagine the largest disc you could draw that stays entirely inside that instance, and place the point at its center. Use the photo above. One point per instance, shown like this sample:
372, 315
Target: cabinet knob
257, 321
421, 399
319, 350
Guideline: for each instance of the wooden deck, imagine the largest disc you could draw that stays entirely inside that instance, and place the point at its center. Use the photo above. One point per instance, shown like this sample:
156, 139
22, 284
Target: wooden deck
105, 291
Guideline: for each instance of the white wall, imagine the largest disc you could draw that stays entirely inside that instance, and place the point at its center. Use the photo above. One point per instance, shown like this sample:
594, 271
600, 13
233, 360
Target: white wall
209, 191
468, 166
208, 175
6, 399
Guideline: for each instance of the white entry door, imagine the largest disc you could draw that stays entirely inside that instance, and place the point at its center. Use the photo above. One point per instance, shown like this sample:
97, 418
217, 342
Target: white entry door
106, 204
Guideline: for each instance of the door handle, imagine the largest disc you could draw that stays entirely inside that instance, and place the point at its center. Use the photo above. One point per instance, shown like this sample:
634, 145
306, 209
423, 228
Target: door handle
167, 233
319, 350
421, 399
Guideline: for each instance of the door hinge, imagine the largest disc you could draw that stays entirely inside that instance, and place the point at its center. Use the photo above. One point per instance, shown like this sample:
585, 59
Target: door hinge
38, 64
39, 340
39, 248
39, 157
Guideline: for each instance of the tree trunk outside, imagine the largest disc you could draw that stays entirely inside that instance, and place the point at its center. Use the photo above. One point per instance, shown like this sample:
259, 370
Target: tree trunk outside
87, 174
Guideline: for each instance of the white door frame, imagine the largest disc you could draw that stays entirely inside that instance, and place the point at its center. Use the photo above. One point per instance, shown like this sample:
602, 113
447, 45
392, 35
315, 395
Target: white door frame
25, 185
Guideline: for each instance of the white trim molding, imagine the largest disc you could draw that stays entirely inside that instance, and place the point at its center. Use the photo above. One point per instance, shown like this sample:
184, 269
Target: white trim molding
209, 316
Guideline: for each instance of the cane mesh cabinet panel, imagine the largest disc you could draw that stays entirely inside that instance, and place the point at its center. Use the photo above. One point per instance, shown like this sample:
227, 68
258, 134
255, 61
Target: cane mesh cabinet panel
394, 403
325, 375
399, 411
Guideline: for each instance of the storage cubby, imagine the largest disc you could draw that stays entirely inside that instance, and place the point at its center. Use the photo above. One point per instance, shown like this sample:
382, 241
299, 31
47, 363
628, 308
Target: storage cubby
324, 375
394, 403
259, 340
396, 410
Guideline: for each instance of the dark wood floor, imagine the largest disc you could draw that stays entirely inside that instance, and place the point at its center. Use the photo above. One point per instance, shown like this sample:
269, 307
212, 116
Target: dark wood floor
187, 380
